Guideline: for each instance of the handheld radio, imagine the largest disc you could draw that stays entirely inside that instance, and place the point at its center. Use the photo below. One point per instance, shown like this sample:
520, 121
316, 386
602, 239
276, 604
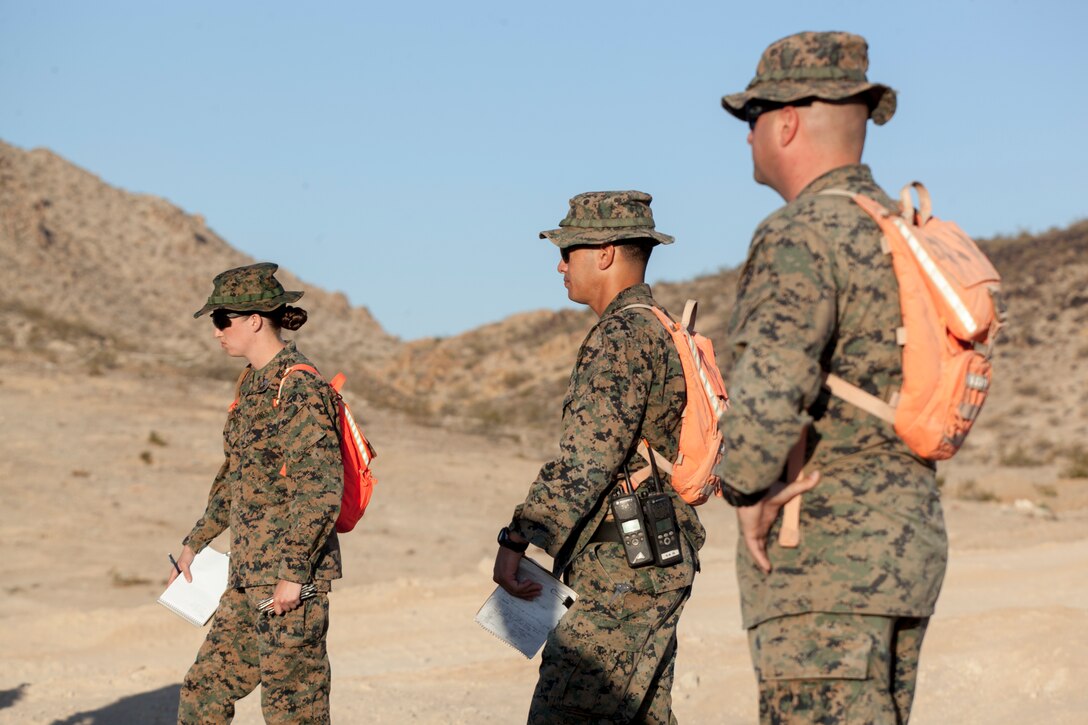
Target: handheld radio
660, 520
627, 512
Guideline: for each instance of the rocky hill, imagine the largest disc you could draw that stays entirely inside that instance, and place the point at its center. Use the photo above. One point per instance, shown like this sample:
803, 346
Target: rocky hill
514, 372
96, 276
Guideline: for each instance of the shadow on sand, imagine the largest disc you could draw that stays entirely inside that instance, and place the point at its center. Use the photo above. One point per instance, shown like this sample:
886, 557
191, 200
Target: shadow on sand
12, 696
147, 708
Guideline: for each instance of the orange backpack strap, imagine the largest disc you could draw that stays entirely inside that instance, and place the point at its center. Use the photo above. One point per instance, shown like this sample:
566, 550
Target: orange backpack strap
294, 368
682, 335
839, 387
238, 386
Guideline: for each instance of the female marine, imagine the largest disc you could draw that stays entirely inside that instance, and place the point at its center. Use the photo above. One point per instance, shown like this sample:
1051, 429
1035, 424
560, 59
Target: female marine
279, 491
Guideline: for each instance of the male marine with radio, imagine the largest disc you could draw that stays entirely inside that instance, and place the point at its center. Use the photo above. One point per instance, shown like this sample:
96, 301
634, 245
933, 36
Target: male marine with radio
627, 385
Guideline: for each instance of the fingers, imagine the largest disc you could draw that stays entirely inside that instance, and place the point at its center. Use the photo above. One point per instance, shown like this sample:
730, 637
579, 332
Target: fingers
757, 547
506, 576
754, 527
524, 589
284, 606
802, 484
184, 560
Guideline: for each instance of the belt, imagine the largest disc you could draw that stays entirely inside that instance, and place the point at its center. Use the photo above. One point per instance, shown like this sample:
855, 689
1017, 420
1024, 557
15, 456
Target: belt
606, 533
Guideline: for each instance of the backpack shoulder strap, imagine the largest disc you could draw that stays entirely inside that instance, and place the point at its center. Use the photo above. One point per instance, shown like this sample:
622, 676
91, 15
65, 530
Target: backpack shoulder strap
238, 386
859, 398
301, 367
657, 312
839, 387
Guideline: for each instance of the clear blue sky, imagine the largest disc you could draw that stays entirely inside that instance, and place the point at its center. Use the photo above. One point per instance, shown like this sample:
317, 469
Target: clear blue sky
408, 153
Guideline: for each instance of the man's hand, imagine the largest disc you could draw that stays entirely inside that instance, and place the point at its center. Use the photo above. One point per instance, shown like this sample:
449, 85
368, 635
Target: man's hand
184, 560
755, 521
506, 572
286, 596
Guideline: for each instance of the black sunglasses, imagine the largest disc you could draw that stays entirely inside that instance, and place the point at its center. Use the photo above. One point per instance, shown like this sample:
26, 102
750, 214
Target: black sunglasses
222, 319
565, 251
754, 109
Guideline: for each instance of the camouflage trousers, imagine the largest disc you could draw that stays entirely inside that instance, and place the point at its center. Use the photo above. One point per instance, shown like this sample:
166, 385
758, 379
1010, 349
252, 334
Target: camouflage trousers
611, 658
836, 668
284, 654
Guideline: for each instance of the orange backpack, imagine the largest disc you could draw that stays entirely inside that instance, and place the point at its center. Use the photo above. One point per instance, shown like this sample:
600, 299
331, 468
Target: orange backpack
701, 445
949, 296
355, 450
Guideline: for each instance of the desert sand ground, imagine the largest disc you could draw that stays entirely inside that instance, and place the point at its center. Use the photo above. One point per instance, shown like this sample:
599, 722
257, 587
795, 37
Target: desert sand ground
101, 476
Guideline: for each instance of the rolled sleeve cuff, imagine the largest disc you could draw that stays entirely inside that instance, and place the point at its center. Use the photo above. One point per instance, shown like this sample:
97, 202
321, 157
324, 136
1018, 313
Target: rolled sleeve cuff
536, 534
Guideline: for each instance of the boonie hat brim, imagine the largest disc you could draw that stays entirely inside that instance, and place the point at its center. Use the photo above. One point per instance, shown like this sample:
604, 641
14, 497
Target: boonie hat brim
882, 101
575, 236
248, 303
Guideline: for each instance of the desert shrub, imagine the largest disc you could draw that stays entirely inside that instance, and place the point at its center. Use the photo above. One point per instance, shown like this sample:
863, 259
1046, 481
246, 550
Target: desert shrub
145, 456
490, 415
1046, 490
969, 490
1019, 458
1077, 466
156, 440
120, 580
514, 378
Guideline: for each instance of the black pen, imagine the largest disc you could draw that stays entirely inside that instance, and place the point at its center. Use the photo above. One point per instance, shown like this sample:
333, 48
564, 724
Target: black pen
174, 563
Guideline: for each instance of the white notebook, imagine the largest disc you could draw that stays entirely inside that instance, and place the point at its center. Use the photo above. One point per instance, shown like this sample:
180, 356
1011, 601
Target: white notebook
523, 624
197, 601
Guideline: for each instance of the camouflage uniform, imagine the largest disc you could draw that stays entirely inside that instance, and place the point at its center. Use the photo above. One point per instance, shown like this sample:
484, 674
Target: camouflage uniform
611, 657
835, 629
279, 491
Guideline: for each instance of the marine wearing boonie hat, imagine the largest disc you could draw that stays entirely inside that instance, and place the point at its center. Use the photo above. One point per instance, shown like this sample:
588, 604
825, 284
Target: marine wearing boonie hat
252, 288
829, 66
607, 217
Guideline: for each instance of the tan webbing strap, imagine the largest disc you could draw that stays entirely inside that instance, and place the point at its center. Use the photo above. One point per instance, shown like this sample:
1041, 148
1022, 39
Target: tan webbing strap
691, 310
663, 464
906, 205
858, 397
789, 536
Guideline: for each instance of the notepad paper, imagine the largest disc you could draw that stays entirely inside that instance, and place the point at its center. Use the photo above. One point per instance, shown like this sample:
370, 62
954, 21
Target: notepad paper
197, 601
524, 624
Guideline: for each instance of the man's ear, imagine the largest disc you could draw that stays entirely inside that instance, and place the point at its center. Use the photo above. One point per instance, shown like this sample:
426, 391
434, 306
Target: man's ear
789, 123
606, 256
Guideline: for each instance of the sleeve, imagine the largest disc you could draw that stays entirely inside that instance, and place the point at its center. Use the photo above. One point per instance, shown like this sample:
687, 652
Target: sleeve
782, 322
315, 476
601, 419
216, 514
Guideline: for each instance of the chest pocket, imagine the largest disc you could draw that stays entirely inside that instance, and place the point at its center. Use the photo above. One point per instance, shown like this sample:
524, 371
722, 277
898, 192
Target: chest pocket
255, 439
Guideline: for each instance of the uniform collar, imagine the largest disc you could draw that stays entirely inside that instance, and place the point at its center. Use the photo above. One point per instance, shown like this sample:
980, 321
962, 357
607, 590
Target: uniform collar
850, 176
637, 293
273, 370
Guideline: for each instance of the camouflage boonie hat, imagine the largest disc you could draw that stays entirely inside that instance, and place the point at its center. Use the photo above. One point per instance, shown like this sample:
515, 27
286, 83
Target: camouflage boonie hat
606, 217
250, 288
828, 66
